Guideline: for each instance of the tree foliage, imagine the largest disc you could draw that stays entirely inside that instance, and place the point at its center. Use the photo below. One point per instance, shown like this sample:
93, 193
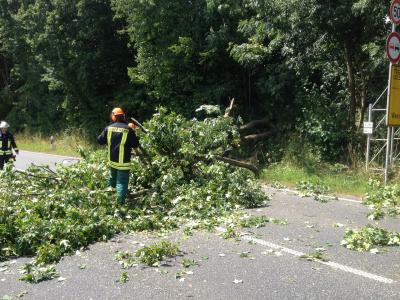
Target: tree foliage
68, 61
48, 214
309, 67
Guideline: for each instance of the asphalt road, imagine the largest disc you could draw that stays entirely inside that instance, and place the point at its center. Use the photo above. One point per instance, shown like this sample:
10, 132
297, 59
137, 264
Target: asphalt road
26, 158
270, 269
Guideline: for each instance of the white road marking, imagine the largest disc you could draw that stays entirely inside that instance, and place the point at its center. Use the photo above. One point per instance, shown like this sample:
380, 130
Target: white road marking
348, 200
331, 264
328, 197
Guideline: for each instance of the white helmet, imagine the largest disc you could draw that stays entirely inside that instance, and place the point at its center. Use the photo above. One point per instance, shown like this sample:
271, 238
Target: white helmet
4, 124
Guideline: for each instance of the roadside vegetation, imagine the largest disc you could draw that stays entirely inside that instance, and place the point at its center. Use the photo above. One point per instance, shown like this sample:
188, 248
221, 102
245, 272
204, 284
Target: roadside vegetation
338, 178
302, 166
66, 143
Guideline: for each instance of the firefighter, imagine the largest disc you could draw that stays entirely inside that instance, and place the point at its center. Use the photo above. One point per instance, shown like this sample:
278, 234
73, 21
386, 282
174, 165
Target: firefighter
120, 140
7, 144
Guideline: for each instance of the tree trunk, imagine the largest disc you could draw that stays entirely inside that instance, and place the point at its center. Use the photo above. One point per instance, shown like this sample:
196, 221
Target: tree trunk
352, 85
256, 124
4, 71
363, 105
254, 138
249, 93
232, 162
238, 163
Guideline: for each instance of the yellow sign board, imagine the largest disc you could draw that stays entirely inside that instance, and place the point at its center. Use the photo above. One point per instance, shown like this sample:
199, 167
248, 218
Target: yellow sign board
393, 117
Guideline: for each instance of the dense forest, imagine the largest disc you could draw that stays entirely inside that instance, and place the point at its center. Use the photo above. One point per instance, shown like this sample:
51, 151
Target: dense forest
306, 67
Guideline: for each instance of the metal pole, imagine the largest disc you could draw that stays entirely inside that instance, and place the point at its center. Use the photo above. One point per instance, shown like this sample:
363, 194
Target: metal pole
368, 139
391, 147
389, 130
387, 162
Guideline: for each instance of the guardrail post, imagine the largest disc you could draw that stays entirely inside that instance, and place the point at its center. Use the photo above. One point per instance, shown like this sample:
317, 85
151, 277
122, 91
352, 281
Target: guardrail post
52, 143
367, 154
387, 161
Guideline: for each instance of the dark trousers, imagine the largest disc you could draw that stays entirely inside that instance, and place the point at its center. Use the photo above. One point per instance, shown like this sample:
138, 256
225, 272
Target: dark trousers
120, 180
3, 160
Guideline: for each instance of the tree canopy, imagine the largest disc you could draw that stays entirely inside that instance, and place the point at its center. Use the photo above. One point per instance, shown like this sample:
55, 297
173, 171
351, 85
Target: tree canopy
308, 67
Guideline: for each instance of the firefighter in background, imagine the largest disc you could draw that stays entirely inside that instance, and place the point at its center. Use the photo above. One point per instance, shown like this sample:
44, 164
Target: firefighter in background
7, 144
120, 139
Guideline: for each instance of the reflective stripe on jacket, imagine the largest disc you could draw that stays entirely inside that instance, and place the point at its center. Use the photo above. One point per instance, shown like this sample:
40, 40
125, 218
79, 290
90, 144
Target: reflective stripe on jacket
7, 143
120, 139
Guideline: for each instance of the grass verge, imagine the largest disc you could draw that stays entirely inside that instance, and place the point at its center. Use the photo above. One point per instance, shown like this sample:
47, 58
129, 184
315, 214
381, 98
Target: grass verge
66, 143
339, 179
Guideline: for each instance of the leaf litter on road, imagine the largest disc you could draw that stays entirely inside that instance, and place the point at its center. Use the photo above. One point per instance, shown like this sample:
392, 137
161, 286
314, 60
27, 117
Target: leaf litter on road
124, 278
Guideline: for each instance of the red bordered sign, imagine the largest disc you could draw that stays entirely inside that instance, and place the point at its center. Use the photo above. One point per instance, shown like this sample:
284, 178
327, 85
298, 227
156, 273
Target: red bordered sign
393, 47
395, 12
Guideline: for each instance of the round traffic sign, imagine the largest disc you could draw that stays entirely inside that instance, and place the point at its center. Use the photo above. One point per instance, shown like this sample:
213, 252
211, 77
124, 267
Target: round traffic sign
395, 12
393, 47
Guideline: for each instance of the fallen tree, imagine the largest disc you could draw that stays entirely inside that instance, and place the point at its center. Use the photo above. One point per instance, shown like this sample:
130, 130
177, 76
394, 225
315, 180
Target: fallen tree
254, 131
49, 214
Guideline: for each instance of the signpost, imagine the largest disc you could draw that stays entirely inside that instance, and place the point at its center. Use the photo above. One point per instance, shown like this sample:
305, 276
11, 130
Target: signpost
393, 116
392, 109
393, 47
393, 95
368, 127
395, 12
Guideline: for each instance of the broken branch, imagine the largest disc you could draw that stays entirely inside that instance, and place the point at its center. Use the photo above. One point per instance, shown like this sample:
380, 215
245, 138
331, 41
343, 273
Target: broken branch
256, 124
254, 138
229, 110
239, 163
